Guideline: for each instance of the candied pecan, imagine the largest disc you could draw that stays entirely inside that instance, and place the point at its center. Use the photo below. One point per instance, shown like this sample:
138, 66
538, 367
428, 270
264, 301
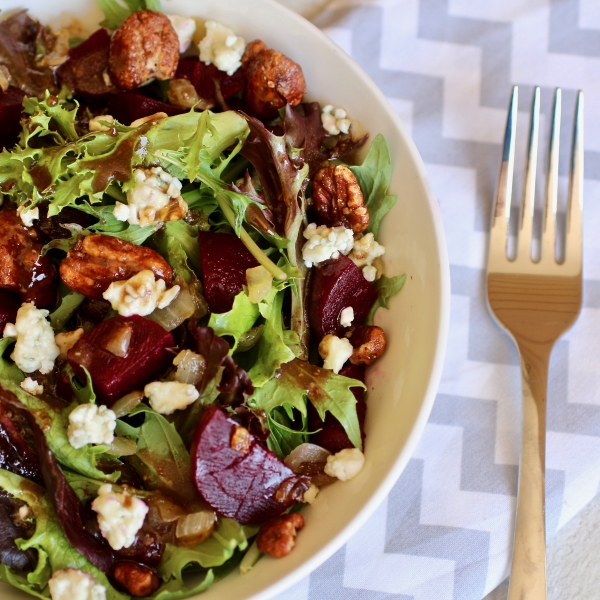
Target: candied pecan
277, 536
272, 80
98, 260
144, 46
139, 581
22, 269
240, 440
368, 342
338, 199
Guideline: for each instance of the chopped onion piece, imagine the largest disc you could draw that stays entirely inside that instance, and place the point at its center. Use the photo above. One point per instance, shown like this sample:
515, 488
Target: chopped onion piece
259, 282
127, 403
195, 528
188, 303
306, 453
122, 446
190, 367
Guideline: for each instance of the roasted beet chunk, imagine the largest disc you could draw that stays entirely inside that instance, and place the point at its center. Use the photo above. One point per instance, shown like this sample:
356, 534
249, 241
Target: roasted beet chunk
332, 435
127, 108
11, 105
206, 77
224, 260
9, 305
84, 71
236, 476
145, 356
337, 284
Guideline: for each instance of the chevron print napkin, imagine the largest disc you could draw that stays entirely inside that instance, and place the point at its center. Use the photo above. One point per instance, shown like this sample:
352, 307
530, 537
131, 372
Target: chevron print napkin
447, 67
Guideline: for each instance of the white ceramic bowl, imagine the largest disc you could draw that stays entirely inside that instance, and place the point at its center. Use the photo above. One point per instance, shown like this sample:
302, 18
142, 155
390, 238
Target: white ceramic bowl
402, 385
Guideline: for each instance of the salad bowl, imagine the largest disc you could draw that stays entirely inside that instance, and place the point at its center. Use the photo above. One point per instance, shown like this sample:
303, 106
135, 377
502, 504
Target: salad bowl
402, 385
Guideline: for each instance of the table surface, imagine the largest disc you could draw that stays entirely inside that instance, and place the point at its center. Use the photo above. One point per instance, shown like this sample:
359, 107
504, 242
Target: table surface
573, 568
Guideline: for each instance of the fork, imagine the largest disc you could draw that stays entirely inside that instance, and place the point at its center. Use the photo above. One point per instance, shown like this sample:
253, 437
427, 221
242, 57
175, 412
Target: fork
535, 302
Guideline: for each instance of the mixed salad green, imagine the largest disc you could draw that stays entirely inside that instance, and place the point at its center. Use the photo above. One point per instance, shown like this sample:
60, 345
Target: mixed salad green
174, 326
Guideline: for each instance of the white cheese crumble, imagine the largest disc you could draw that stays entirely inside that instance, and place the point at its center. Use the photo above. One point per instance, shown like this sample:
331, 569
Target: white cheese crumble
148, 200
120, 516
73, 584
347, 316
222, 47
140, 295
335, 120
364, 252
32, 386
65, 341
35, 349
184, 28
28, 215
325, 242
335, 352
346, 464
310, 494
168, 396
91, 424
99, 123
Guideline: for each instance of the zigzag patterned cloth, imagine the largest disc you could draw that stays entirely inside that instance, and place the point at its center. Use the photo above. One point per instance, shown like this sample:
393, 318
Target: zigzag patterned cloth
447, 67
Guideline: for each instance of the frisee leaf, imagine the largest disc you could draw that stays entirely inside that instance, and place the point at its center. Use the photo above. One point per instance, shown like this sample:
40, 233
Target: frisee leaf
237, 321
374, 177
386, 288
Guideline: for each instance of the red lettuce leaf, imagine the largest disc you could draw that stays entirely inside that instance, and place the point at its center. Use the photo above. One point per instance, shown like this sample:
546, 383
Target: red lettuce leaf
10, 555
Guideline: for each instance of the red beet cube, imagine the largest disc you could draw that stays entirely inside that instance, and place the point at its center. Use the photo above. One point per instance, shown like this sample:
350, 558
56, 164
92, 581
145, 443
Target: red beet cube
114, 376
224, 260
237, 483
203, 78
332, 435
126, 107
11, 106
84, 70
9, 305
337, 284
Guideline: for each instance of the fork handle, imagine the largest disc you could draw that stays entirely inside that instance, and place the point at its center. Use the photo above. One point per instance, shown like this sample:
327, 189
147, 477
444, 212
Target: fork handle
528, 571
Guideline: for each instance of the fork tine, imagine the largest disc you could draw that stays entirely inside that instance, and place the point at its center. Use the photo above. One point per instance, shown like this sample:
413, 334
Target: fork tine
501, 209
548, 250
527, 205
573, 251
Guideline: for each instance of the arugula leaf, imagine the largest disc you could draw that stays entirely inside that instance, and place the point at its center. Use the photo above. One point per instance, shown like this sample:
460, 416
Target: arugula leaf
55, 552
374, 177
54, 424
386, 287
68, 305
271, 350
8, 369
237, 321
326, 391
84, 394
284, 438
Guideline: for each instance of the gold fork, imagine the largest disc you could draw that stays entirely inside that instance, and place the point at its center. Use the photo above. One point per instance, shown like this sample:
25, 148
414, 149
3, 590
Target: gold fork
535, 302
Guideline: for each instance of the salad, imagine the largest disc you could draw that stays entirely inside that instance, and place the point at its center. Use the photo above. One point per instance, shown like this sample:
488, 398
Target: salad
189, 273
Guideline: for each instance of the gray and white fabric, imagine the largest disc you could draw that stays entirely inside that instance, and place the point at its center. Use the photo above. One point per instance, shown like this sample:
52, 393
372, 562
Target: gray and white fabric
447, 67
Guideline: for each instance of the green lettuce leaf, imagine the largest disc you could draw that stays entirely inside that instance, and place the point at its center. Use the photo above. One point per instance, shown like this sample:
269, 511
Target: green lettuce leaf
115, 13
272, 350
8, 369
68, 305
328, 392
162, 460
187, 236
386, 288
54, 550
54, 423
374, 177
237, 321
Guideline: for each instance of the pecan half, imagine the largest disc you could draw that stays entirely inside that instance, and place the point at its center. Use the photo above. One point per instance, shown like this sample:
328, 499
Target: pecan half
338, 199
144, 46
369, 343
277, 536
139, 581
272, 80
98, 260
22, 269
